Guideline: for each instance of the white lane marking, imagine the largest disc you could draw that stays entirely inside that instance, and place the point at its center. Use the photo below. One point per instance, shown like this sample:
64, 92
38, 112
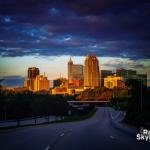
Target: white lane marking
124, 113
116, 115
47, 148
62, 134
111, 137
112, 116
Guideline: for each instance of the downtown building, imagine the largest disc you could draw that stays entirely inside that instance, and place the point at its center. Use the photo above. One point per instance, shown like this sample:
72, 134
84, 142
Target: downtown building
91, 72
73, 85
127, 74
75, 74
41, 83
114, 82
104, 74
31, 75
35, 81
33, 72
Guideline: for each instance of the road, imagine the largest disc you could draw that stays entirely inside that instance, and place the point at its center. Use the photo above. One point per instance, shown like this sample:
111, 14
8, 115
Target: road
102, 131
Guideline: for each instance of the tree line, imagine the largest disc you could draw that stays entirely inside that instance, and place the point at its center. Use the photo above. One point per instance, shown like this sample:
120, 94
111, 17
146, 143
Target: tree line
28, 104
137, 105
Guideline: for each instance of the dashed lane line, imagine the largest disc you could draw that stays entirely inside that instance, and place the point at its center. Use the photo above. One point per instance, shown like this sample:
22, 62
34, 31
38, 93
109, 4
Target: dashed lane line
47, 148
112, 137
62, 134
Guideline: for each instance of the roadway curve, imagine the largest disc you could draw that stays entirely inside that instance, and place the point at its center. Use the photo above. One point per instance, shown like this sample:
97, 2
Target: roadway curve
102, 131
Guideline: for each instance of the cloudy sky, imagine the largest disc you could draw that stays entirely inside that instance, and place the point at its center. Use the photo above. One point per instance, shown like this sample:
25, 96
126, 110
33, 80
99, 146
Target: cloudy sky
45, 33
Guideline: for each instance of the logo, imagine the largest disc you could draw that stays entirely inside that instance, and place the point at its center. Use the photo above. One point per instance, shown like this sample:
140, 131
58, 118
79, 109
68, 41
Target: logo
143, 135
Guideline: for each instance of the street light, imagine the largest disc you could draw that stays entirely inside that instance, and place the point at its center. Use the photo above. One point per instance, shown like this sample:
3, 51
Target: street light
141, 102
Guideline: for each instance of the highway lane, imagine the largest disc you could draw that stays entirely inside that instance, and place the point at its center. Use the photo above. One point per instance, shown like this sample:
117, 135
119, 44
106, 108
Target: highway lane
102, 131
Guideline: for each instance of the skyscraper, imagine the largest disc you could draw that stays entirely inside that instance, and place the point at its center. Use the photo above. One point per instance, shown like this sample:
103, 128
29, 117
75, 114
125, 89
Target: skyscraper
91, 72
33, 72
75, 72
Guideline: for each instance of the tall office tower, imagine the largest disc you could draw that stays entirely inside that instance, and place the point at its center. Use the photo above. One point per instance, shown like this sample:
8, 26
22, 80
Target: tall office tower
33, 72
91, 72
75, 72
41, 83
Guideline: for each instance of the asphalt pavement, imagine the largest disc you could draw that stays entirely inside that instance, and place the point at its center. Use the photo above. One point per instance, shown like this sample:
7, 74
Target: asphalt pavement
103, 131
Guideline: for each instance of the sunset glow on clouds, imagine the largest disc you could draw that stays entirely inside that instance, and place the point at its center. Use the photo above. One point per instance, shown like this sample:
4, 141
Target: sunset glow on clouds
42, 32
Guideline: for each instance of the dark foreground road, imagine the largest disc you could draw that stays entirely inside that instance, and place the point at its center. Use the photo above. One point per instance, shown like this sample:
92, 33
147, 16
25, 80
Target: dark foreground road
101, 132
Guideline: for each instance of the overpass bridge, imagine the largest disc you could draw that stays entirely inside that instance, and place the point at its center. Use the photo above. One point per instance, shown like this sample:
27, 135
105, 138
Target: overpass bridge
97, 103
88, 102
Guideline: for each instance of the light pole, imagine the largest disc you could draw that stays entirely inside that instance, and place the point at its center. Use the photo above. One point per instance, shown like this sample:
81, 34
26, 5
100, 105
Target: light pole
141, 103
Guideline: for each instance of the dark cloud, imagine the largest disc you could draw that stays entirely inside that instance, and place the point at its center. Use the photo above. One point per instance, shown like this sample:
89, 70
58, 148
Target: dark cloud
96, 7
75, 27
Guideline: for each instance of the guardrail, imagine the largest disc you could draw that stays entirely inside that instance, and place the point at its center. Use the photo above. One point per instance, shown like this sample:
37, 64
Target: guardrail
29, 121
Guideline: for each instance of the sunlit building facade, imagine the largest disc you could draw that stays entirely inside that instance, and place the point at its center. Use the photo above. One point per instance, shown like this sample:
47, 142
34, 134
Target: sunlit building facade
41, 83
59, 91
104, 74
31, 74
91, 72
75, 73
66, 91
114, 82
27, 83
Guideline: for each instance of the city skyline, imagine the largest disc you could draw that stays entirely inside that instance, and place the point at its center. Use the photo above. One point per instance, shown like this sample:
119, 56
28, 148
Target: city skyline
107, 63
103, 62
